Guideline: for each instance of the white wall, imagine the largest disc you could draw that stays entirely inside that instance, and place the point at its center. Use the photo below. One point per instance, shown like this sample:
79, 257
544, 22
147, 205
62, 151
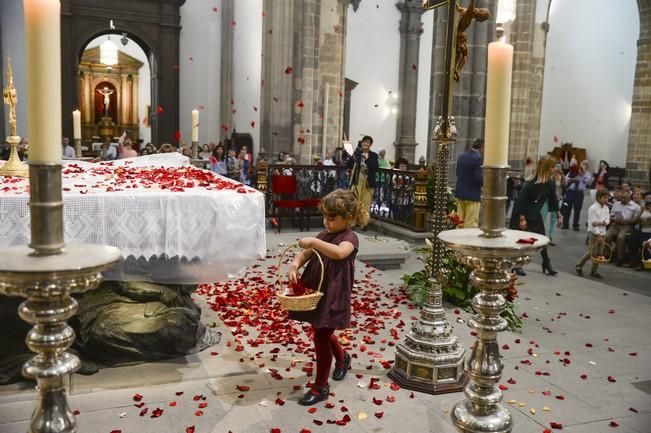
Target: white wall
247, 68
199, 68
144, 78
589, 72
13, 44
372, 54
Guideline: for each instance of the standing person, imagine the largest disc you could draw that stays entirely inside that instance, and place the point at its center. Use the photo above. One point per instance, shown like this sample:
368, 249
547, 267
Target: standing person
578, 181
125, 149
623, 215
600, 178
205, 153
244, 160
149, 149
218, 160
513, 186
67, 151
639, 238
232, 165
337, 245
598, 219
364, 165
469, 183
550, 217
537, 190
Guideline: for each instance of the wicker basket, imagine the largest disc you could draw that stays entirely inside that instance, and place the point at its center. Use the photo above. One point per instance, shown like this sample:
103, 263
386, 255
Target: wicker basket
646, 262
597, 250
297, 303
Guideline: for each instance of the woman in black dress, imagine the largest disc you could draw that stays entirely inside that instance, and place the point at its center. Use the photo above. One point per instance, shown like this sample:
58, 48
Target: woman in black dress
538, 190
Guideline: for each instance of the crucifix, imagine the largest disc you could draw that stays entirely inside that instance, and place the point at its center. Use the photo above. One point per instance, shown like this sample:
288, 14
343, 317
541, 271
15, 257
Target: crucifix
430, 358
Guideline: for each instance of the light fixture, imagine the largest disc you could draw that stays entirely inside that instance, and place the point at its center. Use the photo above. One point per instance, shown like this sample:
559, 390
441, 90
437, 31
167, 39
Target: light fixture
108, 51
506, 11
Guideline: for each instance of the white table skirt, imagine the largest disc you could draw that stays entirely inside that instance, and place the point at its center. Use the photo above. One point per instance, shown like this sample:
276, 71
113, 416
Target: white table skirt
198, 235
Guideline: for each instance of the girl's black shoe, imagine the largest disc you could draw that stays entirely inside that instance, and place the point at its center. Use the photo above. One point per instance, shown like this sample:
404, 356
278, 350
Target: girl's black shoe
314, 395
340, 372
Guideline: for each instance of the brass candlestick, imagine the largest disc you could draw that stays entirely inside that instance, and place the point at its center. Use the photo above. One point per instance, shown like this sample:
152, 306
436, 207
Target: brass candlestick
13, 166
46, 273
492, 252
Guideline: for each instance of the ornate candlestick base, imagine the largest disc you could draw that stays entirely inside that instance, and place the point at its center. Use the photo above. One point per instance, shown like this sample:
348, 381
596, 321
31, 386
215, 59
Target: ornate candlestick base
46, 273
14, 166
431, 358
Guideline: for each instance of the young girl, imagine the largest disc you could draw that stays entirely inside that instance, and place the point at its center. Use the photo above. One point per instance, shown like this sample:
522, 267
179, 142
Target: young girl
337, 245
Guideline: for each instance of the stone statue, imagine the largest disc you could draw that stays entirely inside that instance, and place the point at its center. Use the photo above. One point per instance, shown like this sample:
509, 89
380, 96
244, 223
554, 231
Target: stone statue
10, 98
467, 15
106, 92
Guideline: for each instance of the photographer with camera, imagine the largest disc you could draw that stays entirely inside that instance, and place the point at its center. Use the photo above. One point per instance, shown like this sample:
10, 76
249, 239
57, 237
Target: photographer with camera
364, 165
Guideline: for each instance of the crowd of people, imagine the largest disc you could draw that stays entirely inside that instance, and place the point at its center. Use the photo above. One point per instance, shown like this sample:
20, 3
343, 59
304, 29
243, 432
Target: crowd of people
618, 223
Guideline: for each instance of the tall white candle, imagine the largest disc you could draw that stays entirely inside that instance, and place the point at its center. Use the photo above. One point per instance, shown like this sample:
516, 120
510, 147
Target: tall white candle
498, 103
195, 125
76, 124
43, 52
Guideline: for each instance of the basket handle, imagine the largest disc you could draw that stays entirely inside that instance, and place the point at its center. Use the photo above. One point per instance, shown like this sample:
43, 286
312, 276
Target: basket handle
282, 256
598, 246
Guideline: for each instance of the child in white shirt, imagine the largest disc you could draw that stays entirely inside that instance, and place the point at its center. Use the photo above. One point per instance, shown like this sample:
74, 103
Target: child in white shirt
598, 219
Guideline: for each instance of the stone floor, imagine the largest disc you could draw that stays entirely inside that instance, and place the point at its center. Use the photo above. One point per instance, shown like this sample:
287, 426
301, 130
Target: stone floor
582, 359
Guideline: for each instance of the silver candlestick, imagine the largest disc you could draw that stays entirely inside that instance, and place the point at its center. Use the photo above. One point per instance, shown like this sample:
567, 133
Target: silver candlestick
491, 251
46, 273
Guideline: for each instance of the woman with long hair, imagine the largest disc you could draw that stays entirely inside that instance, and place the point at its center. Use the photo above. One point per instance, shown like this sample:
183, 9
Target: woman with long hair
537, 190
218, 160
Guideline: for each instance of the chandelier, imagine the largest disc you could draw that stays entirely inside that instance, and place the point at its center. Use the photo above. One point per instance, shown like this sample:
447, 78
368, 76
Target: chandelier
108, 51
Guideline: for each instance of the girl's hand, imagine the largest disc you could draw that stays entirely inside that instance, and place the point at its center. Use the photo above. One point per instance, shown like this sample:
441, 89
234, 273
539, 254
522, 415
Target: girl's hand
292, 273
523, 223
307, 243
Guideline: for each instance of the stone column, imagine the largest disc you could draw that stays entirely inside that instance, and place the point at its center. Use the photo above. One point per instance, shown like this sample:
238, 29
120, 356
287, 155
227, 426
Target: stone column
277, 95
529, 40
226, 76
411, 27
469, 102
638, 158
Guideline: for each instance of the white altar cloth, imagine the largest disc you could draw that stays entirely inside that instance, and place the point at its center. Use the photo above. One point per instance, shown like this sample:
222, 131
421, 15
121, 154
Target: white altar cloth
173, 223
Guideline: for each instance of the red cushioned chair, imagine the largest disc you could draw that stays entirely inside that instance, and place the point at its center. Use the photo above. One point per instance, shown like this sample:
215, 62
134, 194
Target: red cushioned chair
283, 190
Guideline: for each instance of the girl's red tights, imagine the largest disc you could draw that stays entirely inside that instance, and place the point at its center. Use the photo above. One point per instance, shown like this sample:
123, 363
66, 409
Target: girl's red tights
326, 345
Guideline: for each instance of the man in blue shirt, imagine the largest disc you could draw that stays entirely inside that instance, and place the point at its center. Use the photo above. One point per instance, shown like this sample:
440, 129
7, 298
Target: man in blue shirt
469, 183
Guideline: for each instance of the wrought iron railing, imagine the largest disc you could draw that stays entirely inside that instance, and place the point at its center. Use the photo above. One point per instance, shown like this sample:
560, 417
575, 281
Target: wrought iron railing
399, 197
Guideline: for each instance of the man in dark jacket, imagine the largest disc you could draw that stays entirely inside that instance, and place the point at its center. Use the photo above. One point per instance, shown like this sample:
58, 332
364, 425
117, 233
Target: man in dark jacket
469, 183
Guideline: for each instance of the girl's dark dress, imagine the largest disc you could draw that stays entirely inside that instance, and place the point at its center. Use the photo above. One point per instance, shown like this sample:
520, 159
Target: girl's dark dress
529, 202
334, 307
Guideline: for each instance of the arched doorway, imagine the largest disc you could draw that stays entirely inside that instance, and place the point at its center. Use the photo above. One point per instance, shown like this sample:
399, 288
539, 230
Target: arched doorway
153, 25
115, 98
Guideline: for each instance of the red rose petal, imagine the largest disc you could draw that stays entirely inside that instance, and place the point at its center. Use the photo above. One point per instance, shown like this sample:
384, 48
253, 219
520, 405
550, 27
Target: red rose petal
289, 70
275, 430
584, 376
242, 388
189, 429
613, 424
157, 412
137, 397
312, 410
611, 379
632, 409
556, 425
379, 414
198, 413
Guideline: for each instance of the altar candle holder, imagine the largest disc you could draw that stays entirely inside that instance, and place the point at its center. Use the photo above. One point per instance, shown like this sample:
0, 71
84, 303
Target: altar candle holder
47, 272
491, 251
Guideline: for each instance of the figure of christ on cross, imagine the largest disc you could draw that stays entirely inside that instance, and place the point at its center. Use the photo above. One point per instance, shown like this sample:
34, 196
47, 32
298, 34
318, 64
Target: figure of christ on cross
106, 92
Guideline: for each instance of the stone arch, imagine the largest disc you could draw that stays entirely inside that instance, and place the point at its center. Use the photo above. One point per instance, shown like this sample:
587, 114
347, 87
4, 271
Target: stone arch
154, 25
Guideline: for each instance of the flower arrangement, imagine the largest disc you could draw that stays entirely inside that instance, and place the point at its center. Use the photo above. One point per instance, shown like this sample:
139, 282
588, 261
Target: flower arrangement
457, 291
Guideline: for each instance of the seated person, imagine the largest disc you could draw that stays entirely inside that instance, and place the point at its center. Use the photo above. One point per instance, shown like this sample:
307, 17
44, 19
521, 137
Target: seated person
108, 151
640, 236
149, 149
624, 214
